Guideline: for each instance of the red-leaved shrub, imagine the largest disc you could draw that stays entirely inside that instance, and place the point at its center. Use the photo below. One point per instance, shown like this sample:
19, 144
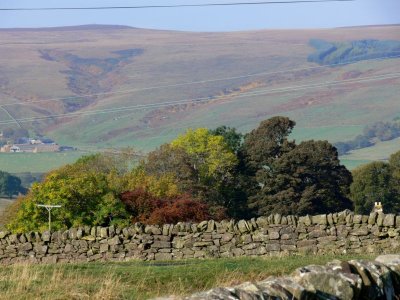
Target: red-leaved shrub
146, 208
140, 204
181, 209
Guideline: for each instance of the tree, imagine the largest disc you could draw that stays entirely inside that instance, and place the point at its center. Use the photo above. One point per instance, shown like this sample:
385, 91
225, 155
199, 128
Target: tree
394, 162
306, 180
232, 138
373, 182
260, 147
268, 142
211, 165
210, 155
15, 134
173, 162
86, 191
203, 166
159, 185
360, 141
10, 185
343, 147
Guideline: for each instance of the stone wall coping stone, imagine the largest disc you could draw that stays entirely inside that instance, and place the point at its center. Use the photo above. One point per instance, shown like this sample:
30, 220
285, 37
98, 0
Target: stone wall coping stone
347, 280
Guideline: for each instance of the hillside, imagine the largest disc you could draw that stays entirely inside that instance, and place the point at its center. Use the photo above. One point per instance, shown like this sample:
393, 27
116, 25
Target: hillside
97, 87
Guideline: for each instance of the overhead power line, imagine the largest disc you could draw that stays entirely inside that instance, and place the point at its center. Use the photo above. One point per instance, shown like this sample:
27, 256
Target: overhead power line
206, 99
10, 116
171, 6
179, 84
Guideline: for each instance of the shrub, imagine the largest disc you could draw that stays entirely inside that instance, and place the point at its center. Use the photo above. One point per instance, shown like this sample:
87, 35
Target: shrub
146, 208
181, 209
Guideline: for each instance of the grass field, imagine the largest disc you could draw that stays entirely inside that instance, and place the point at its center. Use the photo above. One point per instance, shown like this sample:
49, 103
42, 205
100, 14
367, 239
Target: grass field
380, 151
351, 164
44, 162
142, 280
36, 162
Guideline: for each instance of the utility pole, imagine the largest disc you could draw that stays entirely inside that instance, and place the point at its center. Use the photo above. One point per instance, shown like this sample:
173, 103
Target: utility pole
49, 208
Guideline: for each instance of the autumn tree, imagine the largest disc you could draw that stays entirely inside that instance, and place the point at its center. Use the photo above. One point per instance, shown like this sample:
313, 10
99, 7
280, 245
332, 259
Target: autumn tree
160, 185
86, 192
140, 203
209, 155
168, 161
208, 164
202, 164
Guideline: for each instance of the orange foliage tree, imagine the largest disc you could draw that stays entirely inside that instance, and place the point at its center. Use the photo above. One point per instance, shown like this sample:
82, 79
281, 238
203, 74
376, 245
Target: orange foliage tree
149, 209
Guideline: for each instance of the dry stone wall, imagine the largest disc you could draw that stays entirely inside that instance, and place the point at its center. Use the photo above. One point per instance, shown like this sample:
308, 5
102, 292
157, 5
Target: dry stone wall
342, 232
338, 280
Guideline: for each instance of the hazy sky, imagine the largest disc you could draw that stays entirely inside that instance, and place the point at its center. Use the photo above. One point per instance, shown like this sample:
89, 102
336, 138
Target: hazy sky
306, 15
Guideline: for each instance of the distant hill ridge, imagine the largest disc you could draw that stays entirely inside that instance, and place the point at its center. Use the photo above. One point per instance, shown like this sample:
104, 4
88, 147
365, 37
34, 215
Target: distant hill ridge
72, 28
118, 27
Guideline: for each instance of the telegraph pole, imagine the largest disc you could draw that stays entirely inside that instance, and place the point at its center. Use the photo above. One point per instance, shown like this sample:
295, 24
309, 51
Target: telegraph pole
49, 208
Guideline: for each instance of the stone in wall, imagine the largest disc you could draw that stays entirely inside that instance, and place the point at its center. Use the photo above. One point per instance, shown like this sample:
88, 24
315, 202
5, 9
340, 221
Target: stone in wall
338, 280
339, 233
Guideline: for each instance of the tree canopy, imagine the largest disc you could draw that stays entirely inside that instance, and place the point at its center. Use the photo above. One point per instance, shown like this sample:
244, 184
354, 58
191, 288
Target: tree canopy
231, 137
267, 142
10, 185
208, 174
209, 154
377, 182
290, 178
203, 165
84, 192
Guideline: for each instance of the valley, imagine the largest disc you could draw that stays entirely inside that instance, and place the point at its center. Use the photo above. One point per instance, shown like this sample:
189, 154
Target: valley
97, 87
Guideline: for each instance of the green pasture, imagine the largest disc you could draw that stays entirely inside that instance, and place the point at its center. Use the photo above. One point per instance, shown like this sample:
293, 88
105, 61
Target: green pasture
144, 280
380, 151
353, 163
43, 162
36, 162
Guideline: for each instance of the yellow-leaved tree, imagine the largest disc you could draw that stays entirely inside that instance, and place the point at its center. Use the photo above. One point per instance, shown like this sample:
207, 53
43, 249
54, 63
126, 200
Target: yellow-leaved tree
210, 156
211, 164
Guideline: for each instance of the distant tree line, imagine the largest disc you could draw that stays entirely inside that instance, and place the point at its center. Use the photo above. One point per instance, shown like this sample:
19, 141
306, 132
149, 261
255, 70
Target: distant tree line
329, 53
202, 174
380, 131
